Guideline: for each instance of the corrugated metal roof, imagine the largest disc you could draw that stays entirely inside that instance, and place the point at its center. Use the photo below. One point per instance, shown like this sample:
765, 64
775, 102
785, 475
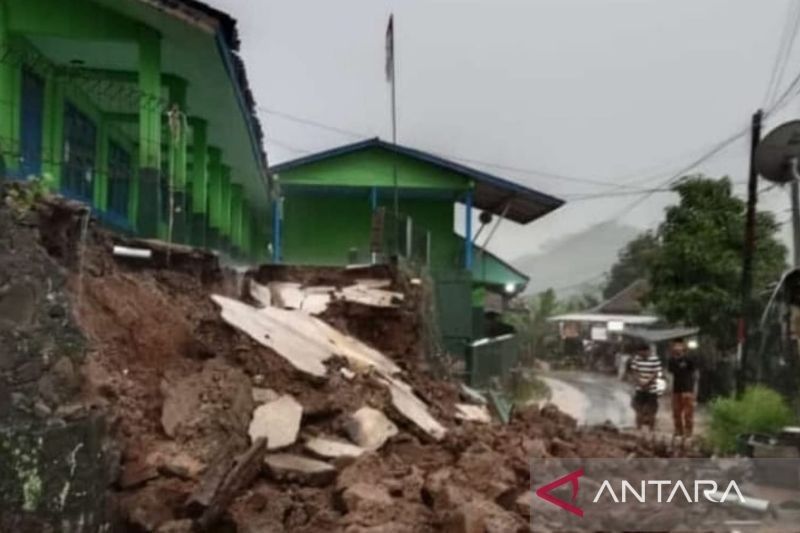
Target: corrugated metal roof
660, 335
604, 317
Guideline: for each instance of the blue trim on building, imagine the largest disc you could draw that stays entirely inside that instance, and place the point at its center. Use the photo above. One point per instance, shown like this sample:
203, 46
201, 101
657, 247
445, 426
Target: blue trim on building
548, 202
225, 52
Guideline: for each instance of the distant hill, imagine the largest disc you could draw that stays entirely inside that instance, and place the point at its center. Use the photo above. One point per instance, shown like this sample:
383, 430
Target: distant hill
576, 262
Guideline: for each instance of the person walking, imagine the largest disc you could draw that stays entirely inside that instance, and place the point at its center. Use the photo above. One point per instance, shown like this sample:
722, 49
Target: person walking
645, 367
683, 367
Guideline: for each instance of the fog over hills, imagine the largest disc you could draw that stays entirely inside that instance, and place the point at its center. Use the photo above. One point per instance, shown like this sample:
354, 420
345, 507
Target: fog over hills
576, 262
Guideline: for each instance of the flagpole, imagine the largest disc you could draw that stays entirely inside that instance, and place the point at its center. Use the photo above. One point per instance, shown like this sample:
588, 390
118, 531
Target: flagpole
394, 122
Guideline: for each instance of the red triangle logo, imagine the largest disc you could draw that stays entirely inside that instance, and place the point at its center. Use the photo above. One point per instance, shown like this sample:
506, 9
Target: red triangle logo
544, 492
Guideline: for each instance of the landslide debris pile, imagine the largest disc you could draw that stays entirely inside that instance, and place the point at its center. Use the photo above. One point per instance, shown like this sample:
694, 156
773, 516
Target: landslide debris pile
290, 399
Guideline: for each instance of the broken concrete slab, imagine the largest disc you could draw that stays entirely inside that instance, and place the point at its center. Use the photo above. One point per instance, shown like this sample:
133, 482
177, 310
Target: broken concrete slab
286, 294
367, 295
261, 395
358, 353
277, 421
411, 407
291, 467
473, 413
285, 332
317, 298
260, 293
303, 340
369, 428
333, 449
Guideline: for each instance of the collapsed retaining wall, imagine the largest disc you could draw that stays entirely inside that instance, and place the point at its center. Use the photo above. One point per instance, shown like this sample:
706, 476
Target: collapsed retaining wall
52, 467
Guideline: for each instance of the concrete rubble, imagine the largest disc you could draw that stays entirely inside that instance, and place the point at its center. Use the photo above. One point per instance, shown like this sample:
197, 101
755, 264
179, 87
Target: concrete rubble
331, 448
285, 466
369, 428
197, 384
315, 299
473, 413
277, 421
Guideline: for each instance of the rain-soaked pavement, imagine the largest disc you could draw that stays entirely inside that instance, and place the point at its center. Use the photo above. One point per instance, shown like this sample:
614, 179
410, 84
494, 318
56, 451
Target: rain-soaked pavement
591, 398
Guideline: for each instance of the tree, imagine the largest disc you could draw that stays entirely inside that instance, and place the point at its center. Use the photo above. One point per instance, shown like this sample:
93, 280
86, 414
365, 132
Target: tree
696, 273
533, 326
634, 262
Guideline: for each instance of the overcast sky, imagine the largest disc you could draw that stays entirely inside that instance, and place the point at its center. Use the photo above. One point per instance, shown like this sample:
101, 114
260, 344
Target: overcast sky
605, 90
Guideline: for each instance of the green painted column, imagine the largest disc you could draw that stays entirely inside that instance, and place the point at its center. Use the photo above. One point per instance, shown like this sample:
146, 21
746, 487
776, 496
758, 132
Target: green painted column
7, 97
214, 197
225, 211
247, 235
100, 192
236, 218
178, 132
199, 181
149, 192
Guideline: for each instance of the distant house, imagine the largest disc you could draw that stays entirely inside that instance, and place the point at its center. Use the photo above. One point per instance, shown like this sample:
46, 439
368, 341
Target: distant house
372, 200
140, 109
623, 316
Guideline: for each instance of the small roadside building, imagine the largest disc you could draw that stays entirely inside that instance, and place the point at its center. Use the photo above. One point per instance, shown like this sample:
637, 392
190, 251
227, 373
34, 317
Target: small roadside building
373, 200
141, 109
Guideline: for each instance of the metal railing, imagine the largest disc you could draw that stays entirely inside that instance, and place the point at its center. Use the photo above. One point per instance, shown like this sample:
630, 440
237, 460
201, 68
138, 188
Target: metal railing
491, 360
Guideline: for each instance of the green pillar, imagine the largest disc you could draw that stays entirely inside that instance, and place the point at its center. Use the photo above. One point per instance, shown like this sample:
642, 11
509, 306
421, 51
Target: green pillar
236, 218
225, 211
177, 126
100, 192
214, 196
149, 192
7, 97
247, 236
199, 181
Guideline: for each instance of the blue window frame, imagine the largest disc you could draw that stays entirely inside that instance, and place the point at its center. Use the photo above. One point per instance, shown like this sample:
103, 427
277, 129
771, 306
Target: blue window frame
119, 179
80, 149
31, 120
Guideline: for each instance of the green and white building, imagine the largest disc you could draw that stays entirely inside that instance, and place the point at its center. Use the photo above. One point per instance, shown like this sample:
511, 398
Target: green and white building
140, 108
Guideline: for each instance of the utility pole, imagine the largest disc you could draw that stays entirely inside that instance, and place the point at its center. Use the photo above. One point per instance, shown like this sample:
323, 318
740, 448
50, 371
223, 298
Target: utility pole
747, 255
796, 217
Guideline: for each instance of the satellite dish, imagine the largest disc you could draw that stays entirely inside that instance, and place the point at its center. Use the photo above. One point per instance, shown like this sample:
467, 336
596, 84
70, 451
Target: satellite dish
775, 151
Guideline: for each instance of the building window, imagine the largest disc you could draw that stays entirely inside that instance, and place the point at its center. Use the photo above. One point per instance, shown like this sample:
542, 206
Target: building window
80, 141
119, 179
32, 118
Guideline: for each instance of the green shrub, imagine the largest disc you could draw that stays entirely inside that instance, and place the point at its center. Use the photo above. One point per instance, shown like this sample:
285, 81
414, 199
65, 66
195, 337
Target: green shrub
760, 410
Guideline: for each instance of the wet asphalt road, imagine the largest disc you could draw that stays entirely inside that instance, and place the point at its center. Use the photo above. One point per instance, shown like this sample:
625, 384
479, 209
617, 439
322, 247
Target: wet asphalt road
591, 398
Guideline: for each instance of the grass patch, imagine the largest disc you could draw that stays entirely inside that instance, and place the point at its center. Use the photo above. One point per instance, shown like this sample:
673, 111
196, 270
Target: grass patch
760, 410
528, 389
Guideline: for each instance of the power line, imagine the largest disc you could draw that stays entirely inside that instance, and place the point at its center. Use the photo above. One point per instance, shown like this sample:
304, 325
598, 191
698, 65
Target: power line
788, 35
546, 174
287, 146
682, 172
309, 122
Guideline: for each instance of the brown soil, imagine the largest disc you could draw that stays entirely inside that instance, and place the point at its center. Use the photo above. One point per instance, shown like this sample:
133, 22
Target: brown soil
175, 381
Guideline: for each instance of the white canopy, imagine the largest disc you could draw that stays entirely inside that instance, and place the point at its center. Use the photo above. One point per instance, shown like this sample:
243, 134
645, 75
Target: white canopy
604, 317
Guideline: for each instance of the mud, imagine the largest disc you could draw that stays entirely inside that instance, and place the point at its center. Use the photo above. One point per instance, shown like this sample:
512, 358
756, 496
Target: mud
174, 383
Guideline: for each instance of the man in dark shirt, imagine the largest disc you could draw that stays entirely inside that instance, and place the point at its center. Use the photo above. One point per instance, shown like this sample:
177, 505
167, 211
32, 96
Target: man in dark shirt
682, 366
